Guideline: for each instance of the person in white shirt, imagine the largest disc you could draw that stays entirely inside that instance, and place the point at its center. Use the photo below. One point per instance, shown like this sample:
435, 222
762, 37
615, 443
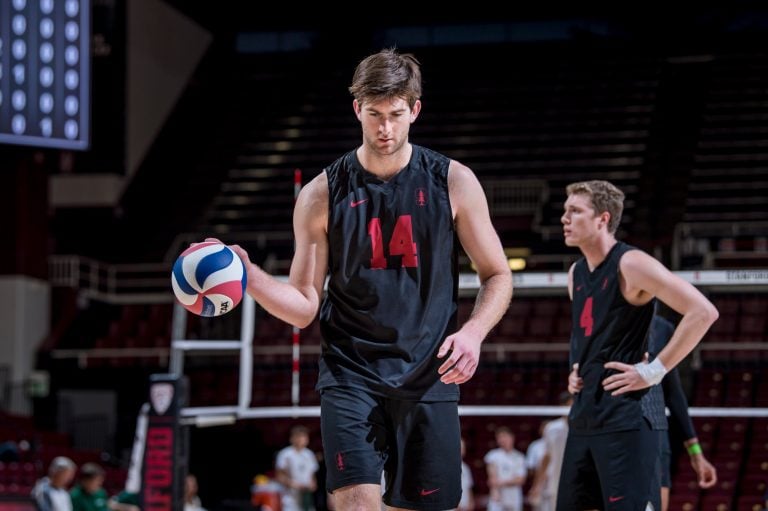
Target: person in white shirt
545, 484
51, 493
467, 502
506, 473
296, 467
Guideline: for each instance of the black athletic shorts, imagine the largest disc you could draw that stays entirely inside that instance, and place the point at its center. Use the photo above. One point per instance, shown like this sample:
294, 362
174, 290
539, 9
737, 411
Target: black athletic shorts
416, 443
611, 471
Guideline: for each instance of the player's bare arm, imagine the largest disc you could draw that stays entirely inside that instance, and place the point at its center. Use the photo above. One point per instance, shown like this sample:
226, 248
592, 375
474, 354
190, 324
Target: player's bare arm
482, 245
705, 471
297, 301
642, 278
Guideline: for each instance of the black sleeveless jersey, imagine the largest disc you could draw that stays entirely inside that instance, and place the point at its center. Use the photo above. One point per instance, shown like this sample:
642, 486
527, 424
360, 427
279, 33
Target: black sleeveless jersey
393, 284
605, 328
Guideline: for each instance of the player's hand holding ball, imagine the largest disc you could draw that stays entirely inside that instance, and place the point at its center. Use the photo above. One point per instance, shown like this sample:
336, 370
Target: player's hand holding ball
209, 278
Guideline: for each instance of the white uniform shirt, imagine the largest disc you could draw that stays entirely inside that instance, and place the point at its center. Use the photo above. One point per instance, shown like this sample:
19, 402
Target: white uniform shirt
509, 465
300, 467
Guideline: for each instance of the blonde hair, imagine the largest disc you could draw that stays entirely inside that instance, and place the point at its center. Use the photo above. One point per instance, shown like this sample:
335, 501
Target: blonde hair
604, 196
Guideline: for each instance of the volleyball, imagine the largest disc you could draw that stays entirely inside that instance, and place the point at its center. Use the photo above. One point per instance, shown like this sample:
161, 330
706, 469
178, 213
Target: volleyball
208, 279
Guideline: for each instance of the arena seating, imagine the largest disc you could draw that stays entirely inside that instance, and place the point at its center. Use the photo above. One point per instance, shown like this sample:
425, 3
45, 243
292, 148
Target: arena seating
560, 116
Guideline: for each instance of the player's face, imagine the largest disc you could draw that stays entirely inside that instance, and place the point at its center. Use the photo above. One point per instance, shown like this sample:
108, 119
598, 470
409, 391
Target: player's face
580, 223
386, 124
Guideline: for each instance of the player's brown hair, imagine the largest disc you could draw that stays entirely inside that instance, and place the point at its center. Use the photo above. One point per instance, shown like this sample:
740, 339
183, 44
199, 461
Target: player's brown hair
387, 75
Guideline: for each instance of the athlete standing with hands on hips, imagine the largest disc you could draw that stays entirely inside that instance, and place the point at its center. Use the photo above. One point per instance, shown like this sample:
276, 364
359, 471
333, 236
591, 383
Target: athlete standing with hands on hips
385, 220
611, 452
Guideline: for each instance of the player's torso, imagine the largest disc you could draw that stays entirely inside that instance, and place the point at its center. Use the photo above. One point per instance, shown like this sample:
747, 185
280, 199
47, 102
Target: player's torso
393, 277
605, 328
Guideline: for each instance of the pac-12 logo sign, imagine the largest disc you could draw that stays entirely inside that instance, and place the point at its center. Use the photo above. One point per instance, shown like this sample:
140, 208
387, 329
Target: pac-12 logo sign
421, 197
161, 396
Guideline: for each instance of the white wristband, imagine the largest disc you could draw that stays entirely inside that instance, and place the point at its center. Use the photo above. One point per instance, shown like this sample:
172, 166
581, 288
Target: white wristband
652, 373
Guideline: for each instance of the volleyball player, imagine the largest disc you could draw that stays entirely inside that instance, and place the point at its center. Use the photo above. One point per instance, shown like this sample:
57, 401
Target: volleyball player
611, 451
386, 220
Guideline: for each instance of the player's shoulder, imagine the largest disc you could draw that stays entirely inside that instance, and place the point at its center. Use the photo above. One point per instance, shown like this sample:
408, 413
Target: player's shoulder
462, 182
636, 261
315, 193
457, 171
320, 181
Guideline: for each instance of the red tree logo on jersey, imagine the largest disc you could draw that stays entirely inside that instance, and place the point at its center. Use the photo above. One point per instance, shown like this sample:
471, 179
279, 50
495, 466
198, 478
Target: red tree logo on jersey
421, 197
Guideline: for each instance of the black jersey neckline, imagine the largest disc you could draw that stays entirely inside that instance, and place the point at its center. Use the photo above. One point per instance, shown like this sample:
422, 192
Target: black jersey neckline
603, 262
370, 177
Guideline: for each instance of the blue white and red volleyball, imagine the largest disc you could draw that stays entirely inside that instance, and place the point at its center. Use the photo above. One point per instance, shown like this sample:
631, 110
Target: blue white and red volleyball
209, 279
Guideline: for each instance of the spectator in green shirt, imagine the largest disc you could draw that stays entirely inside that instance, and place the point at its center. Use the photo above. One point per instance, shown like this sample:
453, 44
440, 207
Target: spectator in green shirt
88, 494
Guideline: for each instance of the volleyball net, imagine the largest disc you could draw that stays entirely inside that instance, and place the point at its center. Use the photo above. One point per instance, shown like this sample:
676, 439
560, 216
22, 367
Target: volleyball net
249, 365
270, 366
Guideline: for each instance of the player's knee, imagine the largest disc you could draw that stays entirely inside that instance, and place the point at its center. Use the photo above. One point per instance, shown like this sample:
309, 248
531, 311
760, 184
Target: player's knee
358, 497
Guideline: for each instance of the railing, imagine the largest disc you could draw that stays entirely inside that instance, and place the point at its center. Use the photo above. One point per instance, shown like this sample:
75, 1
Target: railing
112, 283
143, 283
15, 398
150, 283
516, 197
694, 239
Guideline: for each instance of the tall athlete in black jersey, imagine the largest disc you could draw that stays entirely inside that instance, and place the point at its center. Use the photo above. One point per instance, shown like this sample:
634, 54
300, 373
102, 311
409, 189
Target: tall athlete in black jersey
611, 453
385, 220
